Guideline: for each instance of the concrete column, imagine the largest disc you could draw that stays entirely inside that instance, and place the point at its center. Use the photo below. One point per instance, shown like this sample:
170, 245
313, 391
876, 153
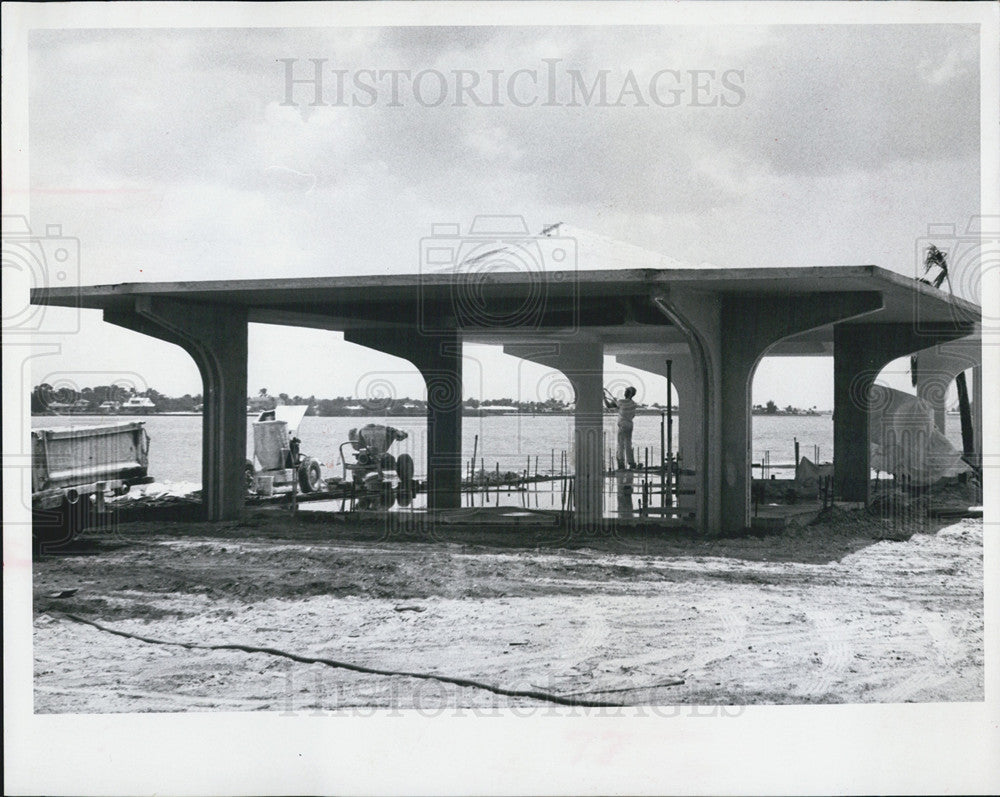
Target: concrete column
216, 338
750, 326
860, 352
587, 377
728, 336
937, 368
697, 315
691, 414
438, 357
582, 361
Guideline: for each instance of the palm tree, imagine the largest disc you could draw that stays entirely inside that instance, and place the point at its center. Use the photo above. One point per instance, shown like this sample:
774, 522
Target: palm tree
936, 258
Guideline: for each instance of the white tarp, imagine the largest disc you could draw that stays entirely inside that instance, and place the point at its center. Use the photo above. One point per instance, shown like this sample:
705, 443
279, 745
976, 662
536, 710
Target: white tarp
905, 442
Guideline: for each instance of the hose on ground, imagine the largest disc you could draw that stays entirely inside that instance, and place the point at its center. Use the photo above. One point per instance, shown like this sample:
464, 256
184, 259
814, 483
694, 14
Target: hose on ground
564, 700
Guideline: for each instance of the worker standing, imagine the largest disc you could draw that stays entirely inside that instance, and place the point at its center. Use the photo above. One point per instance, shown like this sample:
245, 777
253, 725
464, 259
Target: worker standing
626, 413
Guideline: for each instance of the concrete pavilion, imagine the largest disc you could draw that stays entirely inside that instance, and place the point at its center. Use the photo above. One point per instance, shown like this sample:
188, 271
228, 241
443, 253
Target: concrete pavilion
713, 324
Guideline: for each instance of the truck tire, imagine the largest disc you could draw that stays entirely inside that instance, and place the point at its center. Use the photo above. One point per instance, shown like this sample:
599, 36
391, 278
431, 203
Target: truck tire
404, 468
60, 526
310, 476
404, 495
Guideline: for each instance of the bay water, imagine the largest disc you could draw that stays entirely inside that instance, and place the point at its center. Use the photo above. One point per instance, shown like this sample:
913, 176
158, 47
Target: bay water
510, 442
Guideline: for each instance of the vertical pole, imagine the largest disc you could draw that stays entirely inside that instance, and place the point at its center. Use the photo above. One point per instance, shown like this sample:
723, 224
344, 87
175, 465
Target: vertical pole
795, 441
286, 455
670, 431
663, 462
965, 413
645, 478
472, 462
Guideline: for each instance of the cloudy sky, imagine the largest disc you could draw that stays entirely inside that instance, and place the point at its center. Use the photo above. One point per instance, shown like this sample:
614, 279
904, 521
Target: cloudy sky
181, 154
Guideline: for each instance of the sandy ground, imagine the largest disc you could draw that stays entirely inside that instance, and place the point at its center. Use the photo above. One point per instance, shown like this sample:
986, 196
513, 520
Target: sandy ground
824, 613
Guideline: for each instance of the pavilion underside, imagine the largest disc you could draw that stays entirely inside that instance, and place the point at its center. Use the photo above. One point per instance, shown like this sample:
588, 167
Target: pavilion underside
713, 325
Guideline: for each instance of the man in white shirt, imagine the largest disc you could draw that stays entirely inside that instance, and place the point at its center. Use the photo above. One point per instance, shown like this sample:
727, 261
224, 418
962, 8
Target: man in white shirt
626, 413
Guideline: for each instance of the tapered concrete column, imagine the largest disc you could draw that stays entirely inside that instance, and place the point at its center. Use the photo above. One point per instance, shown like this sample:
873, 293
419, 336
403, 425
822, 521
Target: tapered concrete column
697, 315
750, 326
937, 368
582, 362
438, 357
691, 417
216, 338
860, 352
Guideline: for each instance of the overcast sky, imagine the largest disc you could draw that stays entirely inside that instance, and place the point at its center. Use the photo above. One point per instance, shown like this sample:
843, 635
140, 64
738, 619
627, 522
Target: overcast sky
180, 154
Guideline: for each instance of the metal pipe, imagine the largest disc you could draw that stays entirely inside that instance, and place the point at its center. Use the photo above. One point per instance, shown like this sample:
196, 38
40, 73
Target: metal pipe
670, 429
663, 461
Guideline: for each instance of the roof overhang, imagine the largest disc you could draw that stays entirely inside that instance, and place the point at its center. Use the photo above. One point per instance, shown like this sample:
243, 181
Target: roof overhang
615, 306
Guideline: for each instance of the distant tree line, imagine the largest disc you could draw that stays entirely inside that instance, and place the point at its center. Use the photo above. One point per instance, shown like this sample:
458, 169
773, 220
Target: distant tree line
773, 409
46, 399
49, 400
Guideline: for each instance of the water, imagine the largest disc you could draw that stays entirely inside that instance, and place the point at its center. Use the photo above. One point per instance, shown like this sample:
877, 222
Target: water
507, 440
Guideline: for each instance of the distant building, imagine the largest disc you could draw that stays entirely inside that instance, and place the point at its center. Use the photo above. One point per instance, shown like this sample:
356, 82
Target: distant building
500, 408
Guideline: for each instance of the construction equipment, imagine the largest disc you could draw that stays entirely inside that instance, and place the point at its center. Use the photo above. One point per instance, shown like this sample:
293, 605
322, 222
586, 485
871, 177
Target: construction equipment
379, 478
75, 468
282, 466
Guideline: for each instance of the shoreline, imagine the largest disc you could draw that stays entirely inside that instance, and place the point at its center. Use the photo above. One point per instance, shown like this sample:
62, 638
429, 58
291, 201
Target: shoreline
475, 414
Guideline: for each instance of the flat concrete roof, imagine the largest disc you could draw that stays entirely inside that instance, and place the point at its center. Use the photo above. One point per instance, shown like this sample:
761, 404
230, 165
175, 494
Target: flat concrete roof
498, 307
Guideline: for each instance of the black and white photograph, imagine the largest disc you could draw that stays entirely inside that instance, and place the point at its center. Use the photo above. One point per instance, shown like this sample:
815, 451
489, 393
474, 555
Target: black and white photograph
501, 397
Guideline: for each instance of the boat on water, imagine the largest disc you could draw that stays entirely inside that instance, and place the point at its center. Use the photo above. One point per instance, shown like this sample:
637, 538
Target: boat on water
137, 405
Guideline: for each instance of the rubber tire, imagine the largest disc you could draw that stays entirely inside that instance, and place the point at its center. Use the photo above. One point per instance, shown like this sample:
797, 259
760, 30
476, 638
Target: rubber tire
310, 476
404, 468
60, 526
249, 478
403, 496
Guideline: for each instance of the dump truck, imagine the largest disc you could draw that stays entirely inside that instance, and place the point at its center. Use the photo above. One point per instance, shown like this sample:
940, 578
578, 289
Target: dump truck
73, 470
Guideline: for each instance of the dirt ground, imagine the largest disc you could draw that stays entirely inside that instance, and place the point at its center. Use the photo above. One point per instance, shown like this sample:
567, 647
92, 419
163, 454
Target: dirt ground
830, 612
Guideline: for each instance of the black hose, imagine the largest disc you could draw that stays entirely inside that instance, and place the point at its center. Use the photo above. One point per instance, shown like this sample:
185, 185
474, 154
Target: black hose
344, 665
